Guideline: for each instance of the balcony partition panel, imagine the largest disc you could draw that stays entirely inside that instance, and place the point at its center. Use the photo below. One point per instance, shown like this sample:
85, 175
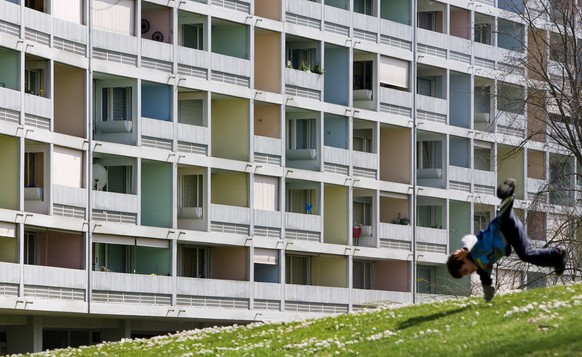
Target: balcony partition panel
156, 194
9, 76
131, 283
9, 154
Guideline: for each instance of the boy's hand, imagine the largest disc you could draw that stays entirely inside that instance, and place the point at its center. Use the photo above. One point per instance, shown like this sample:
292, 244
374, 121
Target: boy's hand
461, 253
488, 292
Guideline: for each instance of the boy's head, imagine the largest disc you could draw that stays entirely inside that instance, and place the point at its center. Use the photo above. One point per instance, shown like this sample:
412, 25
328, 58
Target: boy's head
459, 264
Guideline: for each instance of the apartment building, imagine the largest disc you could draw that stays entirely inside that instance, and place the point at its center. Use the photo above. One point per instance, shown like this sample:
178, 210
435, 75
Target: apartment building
170, 165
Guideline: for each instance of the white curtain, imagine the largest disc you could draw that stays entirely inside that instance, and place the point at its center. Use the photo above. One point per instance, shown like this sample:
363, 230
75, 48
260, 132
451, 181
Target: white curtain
394, 72
67, 167
266, 256
70, 10
266, 193
114, 16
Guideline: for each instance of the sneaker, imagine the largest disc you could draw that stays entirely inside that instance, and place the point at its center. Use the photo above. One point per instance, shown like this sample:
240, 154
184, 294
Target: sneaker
506, 189
561, 265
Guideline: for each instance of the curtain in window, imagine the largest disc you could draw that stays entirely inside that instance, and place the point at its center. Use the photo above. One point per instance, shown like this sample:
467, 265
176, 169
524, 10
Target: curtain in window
67, 167
70, 10
114, 16
266, 193
394, 72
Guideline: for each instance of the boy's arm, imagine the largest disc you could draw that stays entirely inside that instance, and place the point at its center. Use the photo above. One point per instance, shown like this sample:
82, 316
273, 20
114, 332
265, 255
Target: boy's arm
468, 242
487, 284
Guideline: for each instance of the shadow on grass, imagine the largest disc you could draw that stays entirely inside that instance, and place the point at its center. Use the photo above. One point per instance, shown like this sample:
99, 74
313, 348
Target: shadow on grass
413, 321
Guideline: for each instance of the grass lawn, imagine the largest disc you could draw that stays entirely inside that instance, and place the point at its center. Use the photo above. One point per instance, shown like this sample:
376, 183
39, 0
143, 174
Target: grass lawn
538, 322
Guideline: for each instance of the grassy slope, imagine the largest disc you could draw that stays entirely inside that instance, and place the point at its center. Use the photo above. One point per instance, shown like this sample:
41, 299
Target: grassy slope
536, 322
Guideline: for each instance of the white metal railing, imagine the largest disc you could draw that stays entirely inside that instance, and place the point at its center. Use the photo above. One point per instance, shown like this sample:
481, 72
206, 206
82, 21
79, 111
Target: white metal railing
316, 294
213, 287
230, 214
267, 145
432, 104
158, 50
304, 222
38, 105
337, 16
133, 283
303, 79
365, 22
397, 232
52, 276
193, 134
72, 196
304, 8
10, 12
38, 20
396, 30
9, 273
336, 155
366, 160
460, 174
70, 30
396, 97
267, 218
113, 201
232, 65
10, 98
193, 57
157, 128
432, 235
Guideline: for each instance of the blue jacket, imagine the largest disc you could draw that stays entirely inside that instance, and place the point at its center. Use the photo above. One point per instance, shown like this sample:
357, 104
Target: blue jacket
487, 248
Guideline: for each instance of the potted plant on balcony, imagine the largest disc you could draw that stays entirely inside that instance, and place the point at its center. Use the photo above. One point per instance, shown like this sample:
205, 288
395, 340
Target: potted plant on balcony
317, 69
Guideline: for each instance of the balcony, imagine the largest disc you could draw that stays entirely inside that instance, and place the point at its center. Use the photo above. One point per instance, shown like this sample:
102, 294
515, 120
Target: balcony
127, 204
9, 279
115, 47
485, 182
70, 196
303, 83
125, 290
70, 37
432, 43
432, 240
267, 150
433, 109
155, 128
304, 223
265, 218
460, 178
304, 13
11, 14
230, 70
193, 62
511, 124
336, 160
193, 136
370, 297
38, 26
40, 108
396, 34
365, 27
231, 215
49, 287
395, 236
365, 164
316, 299
534, 186
10, 99
396, 101
212, 293
337, 20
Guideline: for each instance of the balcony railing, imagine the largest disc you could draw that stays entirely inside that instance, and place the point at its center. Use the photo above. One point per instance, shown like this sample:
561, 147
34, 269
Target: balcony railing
336, 155
267, 145
304, 12
118, 202
390, 232
336, 20
432, 240
157, 128
303, 83
70, 196
303, 222
265, 218
230, 214
57, 277
396, 34
485, 182
366, 27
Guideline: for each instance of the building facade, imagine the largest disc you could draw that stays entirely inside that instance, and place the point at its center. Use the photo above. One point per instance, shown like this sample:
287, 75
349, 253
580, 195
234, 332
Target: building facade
169, 165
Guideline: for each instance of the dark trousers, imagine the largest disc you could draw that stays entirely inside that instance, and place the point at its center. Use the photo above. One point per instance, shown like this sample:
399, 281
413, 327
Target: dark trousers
516, 236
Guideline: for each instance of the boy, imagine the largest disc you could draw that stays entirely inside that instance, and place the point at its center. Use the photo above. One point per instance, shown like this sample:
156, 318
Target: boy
480, 252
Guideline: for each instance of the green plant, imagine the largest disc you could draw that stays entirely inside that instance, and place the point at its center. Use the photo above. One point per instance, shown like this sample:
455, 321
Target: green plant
317, 69
303, 66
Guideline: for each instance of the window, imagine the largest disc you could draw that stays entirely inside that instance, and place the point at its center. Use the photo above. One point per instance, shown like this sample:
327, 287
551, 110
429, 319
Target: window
363, 7
191, 191
483, 33
363, 275
31, 248
297, 270
429, 154
34, 82
37, 5
393, 73
510, 98
191, 111
300, 201
116, 104
363, 213
33, 169
363, 74
300, 58
193, 262
425, 280
119, 179
301, 134
481, 221
362, 140
427, 20
193, 36
430, 216
427, 86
